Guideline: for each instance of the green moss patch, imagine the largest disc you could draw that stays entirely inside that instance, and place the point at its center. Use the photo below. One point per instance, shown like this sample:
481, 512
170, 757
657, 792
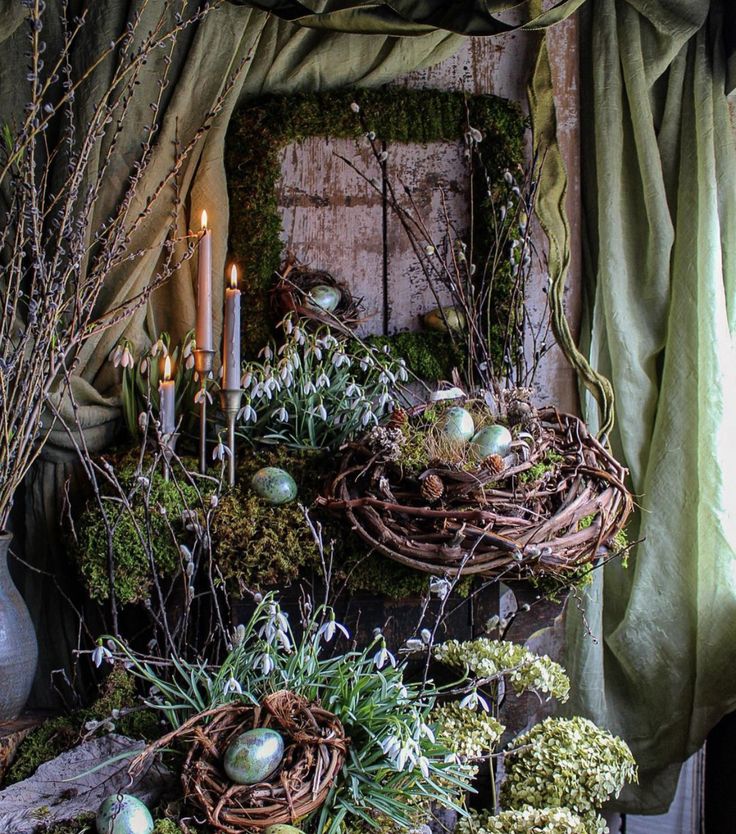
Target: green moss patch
430, 356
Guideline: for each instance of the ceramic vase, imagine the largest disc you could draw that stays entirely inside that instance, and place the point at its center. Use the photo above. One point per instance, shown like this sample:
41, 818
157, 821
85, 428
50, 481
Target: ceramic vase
18, 645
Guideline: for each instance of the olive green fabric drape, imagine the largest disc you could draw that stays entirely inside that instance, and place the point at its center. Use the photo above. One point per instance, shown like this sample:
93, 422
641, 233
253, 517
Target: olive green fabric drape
659, 192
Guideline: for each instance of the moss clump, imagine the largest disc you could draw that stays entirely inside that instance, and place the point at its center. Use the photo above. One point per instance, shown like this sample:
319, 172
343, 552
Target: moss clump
59, 734
430, 356
156, 513
84, 824
548, 463
259, 131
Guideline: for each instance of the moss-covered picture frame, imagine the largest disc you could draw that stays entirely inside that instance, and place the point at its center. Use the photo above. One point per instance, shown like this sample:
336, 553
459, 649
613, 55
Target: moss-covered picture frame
259, 131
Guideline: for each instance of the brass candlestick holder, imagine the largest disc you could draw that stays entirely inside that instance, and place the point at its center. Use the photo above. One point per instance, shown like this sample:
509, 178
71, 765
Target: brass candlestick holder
230, 401
203, 363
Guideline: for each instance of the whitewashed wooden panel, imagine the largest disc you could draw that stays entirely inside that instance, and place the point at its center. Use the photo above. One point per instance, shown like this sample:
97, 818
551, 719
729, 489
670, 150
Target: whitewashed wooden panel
429, 172
332, 219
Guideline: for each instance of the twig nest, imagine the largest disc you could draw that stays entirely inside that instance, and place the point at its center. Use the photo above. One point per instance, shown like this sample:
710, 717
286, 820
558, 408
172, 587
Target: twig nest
491, 440
552, 506
314, 753
274, 485
123, 813
317, 297
253, 756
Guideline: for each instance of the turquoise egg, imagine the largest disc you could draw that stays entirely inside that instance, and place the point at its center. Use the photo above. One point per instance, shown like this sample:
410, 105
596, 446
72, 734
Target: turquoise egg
281, 828
253, 756
122, 813
325, 297
491, 440
274, 485
458, 425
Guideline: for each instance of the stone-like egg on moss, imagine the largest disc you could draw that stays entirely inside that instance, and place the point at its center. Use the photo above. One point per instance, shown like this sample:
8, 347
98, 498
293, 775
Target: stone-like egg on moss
253, 756
443, 319
324, 297
123, 813
274, 485
491, 440
282, 828
457, 425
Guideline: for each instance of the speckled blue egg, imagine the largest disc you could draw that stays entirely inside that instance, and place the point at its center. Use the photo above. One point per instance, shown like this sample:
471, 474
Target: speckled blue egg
122, 813
458, 425
325, 297
491, 440
282, 828
254, 756
274, 485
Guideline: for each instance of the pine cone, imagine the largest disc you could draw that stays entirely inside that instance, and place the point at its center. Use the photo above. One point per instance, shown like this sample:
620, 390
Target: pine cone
398, 418
495, 464
432, 488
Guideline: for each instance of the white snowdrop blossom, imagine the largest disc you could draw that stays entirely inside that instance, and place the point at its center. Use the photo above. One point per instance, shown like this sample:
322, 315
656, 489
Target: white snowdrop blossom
101, 655
221, 451
382, 657
282, 415
248, 414
232, 686
266, 664
473, 700
329, 629
321, 411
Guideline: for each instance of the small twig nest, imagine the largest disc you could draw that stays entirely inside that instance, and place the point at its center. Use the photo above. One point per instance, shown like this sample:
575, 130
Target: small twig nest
291, 295
315, 750
490, 520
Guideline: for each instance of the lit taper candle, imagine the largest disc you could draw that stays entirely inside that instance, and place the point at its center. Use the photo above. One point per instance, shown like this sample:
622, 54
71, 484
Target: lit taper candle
203, 333
167, 400
231, 334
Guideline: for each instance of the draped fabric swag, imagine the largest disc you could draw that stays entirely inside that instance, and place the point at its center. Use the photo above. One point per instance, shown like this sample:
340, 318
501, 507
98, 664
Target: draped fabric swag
659, 203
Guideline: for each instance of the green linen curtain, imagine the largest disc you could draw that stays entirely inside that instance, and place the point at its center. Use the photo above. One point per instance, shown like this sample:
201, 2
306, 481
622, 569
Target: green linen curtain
659, 186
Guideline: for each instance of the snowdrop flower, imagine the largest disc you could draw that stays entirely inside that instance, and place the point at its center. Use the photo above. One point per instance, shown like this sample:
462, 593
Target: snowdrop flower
403, 374
330, 628
427, 732
248, 414
321, 411
323, 381
317, 352
382, 657
368, 416
188, 354
424, 766
339, 359
365, 363
158, 347
257, 390
203, 395
308, 388
282, 415
265, 664
299, 336
232, 686
439, 586
122, 356
220, 451
246, 379
101, 655
329, 341
386, 377
266, 353
391, 746
473, 700
384, 399
288, 326
353, 390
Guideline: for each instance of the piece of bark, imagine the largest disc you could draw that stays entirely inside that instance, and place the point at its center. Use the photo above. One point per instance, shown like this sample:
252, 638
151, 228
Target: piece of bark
64, 788
12, 734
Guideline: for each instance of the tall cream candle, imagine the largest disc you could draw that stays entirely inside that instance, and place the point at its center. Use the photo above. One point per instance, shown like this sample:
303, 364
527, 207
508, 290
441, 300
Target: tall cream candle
167, 400
231, 334
203, 333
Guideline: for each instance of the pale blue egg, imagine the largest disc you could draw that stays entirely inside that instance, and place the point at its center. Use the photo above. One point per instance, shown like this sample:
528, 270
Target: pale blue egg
491, 440
122, 813
282, 828
325, 297
458, 425
253, 756
274, 485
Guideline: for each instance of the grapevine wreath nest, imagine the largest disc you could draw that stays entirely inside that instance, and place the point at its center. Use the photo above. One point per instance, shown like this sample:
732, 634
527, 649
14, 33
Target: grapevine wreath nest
315, 749
291, 291
492, 519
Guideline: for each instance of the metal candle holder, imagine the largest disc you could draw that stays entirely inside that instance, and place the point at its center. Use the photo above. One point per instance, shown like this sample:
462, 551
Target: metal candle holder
203, 364
230, 401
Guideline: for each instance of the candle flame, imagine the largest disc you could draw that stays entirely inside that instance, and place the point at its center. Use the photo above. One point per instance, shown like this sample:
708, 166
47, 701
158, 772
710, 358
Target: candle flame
234, 277
204, 220
167, 368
